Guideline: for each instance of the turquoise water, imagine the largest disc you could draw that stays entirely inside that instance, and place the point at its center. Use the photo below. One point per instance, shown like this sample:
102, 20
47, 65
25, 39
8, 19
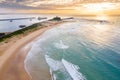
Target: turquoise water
80, 50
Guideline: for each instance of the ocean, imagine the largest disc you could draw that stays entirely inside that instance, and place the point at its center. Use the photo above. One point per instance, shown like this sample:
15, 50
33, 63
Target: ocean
8, 26
79, 50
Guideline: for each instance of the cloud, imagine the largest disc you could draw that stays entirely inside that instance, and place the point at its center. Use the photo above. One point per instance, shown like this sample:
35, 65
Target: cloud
20, 4
35, 4
44, 4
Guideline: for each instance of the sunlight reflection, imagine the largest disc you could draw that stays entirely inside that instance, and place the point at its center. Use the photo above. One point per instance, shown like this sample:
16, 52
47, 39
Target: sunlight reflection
100, 7
102, 34
102, 17
101, 28
97, 33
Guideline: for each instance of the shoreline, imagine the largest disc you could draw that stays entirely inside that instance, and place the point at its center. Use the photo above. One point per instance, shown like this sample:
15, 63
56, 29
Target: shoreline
9, 58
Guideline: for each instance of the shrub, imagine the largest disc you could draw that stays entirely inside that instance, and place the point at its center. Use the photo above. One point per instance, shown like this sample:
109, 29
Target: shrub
56, 18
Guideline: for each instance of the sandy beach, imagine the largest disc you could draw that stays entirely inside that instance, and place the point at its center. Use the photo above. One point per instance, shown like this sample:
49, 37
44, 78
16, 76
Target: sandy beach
13, 54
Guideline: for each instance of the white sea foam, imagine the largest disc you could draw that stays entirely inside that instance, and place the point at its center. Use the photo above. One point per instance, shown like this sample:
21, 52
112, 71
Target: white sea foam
61, 45
54, 65
57, 66
73, 70
37, 48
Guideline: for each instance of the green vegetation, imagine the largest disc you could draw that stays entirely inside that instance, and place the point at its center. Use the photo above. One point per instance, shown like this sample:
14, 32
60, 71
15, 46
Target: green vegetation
27, 29
21, 31
56, 19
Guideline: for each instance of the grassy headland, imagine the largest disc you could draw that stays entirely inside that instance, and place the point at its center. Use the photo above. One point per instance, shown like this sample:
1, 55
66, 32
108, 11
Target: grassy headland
28, 29
9, 39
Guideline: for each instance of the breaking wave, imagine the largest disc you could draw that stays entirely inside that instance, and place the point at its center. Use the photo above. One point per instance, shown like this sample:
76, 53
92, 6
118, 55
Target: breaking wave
67, 68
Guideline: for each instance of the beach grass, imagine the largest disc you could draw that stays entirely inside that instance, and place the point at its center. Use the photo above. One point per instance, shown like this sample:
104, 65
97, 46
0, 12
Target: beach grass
21, 31
30, 28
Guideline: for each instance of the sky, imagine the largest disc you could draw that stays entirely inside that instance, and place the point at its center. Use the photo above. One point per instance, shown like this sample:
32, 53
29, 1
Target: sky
71, 7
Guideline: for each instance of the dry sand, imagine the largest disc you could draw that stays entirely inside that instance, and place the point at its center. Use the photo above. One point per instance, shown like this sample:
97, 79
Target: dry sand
13, 55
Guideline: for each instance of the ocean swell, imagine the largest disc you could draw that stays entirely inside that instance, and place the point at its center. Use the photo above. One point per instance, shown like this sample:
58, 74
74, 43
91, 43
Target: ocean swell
75, 51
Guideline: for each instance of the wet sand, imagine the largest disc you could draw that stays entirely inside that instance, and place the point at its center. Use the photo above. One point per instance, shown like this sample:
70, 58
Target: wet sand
12, 61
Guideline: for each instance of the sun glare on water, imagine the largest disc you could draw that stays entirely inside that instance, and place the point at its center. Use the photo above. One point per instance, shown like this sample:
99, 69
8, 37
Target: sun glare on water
102, 17
102, 27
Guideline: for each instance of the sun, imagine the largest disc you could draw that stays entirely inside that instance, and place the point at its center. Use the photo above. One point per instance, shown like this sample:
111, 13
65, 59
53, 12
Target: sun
99, 7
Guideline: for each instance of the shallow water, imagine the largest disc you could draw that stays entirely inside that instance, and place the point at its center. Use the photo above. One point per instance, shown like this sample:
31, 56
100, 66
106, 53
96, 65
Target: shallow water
80, 50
